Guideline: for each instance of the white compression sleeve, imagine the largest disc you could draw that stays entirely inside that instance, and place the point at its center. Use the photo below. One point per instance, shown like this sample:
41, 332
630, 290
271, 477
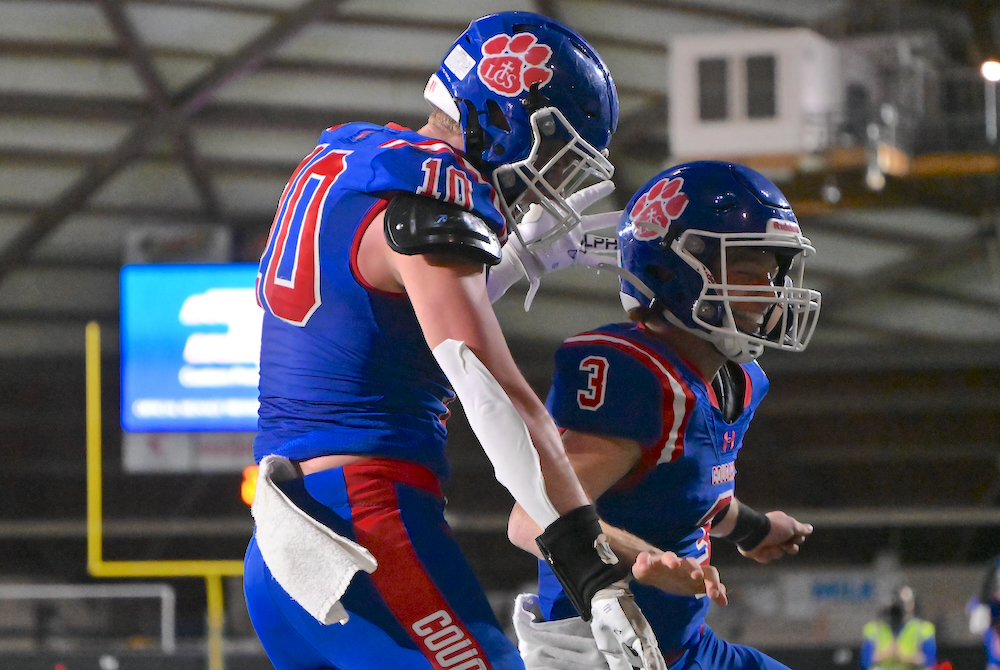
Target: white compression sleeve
500, 429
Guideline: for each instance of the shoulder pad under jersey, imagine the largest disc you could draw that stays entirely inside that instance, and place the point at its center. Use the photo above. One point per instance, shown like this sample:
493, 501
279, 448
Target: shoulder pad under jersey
418, 225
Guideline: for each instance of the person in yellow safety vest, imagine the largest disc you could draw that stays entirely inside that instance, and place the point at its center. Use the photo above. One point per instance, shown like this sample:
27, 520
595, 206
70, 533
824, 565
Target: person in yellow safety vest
899, 640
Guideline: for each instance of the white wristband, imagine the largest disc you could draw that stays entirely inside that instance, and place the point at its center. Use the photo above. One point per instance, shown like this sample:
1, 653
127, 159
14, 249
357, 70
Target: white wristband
500, 429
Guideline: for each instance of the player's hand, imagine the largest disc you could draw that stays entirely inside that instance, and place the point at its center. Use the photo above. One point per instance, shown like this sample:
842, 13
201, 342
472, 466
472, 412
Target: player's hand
786, 536
564, 250
679, 577
621, 631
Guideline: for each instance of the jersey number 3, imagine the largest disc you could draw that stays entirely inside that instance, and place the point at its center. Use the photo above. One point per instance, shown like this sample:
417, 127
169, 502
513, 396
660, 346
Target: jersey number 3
596, 368
289, 268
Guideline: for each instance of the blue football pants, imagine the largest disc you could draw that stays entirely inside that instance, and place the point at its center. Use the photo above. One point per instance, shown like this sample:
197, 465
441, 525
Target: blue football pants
713, 653
422, 608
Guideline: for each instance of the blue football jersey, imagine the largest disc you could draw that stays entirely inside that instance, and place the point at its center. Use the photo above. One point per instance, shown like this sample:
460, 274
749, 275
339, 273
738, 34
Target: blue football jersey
344, 367
621, 381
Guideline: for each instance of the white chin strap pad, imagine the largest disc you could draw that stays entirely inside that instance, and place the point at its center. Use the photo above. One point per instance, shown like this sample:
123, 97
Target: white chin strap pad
736, 349
499, 427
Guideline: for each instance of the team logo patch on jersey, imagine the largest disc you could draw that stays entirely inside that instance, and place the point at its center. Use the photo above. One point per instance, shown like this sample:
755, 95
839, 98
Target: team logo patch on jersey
652, 213
511, 65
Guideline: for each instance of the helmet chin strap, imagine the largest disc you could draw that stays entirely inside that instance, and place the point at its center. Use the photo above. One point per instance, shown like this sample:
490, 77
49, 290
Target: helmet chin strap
736, 349
476, 139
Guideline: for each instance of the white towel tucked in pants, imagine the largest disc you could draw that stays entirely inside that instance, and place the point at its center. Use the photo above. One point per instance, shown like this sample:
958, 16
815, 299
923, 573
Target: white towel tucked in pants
313, 564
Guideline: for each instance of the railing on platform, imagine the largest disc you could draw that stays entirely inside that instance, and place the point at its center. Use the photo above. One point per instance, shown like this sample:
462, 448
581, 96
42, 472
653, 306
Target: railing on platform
164, 592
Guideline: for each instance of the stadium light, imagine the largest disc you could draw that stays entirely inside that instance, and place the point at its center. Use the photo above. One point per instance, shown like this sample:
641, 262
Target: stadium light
991, 73
991, 70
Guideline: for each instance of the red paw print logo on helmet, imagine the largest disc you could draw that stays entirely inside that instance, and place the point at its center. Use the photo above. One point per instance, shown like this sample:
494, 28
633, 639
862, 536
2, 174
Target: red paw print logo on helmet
511, 65
652, 213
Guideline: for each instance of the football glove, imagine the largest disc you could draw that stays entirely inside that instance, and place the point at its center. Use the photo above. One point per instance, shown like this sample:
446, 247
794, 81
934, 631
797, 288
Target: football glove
551, 255
621, 631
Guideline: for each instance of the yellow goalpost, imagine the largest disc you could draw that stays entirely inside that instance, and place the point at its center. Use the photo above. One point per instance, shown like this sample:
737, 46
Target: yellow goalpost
211, 571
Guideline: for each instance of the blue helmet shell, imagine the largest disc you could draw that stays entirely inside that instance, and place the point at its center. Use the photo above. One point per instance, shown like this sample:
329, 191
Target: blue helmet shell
725, 200
507, 65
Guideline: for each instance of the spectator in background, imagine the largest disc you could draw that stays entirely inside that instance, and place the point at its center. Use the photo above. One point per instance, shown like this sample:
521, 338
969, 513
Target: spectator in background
984, 615
899, 640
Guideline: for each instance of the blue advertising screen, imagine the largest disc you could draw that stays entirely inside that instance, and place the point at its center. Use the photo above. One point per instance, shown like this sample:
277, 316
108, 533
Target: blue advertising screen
190, 347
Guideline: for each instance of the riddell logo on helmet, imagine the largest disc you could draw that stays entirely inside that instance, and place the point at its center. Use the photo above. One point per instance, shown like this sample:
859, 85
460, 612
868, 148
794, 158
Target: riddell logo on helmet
653, 212
783, 225
511, 65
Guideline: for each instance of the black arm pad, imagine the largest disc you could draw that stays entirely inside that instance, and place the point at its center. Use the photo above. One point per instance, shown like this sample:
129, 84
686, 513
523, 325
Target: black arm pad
419, 225
751, 528
580, 556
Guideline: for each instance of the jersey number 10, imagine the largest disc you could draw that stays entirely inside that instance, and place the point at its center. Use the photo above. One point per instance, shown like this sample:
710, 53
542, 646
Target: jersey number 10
288, 283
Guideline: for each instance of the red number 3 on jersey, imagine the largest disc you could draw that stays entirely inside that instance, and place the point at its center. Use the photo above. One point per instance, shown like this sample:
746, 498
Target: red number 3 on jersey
288, 285
596, 368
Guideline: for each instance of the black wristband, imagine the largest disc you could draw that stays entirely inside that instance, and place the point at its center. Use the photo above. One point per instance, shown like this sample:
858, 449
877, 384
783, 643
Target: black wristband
751, 528
580, 557
720, 515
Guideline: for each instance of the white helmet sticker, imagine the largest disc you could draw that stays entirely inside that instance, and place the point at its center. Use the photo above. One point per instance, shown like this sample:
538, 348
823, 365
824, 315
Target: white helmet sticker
459, 62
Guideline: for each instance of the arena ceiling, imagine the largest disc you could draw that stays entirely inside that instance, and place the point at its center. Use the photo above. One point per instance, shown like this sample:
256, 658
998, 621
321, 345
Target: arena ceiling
187, 116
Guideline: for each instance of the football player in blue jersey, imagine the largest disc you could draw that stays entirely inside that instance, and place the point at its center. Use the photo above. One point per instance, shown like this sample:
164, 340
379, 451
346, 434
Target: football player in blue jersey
984, 614
655, 410
376, 315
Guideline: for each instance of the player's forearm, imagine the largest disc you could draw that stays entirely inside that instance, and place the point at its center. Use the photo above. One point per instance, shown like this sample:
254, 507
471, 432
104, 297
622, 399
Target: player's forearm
561, 483
626, 545
522, 531
521, 461
723, 526
451, 305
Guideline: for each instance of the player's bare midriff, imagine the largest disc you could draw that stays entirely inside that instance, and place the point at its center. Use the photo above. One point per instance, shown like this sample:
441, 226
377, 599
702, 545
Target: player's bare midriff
311, 465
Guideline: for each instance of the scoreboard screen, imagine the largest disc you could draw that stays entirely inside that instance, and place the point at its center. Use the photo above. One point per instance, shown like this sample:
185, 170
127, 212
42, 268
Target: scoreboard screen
190, 347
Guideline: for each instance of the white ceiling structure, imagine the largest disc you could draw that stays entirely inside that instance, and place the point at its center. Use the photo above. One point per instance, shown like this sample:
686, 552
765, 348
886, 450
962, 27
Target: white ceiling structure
118, 115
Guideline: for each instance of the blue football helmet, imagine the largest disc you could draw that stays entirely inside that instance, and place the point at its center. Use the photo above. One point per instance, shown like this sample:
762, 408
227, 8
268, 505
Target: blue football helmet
537, 106
684, 228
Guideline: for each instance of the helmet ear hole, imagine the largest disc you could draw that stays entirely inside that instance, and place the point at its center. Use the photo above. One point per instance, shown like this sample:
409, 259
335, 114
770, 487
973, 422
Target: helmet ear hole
660, 274
497, 117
